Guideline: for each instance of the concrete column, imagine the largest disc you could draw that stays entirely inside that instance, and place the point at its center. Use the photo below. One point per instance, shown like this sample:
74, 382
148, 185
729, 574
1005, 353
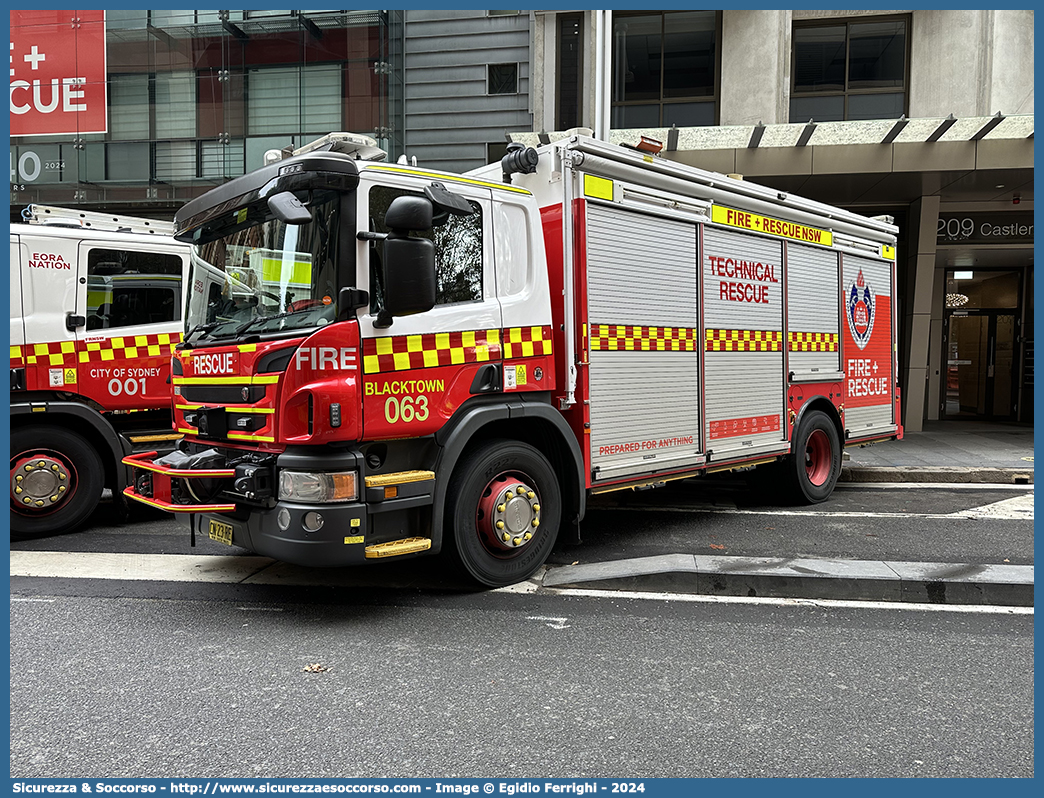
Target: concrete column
936, 359
1011, 63
542, 82
755, 67
920, 282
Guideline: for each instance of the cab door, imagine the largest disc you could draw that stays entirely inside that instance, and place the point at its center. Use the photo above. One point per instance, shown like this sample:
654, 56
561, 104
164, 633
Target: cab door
129, 303
420, 369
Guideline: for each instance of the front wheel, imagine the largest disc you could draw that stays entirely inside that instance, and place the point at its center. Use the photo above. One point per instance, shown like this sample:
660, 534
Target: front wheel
56, 480
503, 511
815, 461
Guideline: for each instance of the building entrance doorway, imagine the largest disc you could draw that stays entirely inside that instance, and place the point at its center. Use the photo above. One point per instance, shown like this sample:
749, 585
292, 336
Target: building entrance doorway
981, 337
980, 370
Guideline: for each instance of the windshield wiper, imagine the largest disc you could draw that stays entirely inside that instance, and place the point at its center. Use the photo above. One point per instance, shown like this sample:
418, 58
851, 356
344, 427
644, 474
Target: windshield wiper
244, 327
201, 328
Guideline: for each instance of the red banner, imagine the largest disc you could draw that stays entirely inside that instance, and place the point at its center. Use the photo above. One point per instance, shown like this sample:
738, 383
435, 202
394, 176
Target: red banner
58, 73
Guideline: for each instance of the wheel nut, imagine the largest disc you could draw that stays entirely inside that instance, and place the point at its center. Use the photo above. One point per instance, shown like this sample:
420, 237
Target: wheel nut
528, 536
54, 467
500, 524
54, 498
61, 488
531, 495
27, 500
501, 507
19, 478
536, 508
505, 537
18, 490
509, 495
517, 541
536, 522
42, 463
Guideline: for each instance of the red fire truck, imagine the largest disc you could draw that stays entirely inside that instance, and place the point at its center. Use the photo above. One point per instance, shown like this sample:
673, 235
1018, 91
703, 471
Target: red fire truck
96, 307
433, 361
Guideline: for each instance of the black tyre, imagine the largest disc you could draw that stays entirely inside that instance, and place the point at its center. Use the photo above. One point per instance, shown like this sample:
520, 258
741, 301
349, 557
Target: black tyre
814, 464
56, 480
503, 511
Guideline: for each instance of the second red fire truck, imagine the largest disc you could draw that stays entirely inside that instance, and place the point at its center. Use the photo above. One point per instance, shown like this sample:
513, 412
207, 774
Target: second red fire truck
385, 361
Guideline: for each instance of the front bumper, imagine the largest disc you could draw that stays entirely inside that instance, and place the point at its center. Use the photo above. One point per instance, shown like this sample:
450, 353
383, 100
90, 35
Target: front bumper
347, 535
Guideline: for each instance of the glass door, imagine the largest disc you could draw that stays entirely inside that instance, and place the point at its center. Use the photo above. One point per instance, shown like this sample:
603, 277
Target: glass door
980, 365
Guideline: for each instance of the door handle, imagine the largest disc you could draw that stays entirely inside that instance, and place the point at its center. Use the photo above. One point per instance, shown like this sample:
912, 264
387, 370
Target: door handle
74, 322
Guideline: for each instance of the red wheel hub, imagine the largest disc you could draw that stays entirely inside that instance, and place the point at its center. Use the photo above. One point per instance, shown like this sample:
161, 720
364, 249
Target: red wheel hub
41, 481
508, 513
818, 458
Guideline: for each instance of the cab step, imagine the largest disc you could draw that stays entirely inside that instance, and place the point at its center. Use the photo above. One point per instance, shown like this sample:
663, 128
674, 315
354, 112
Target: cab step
394, 548
165, 436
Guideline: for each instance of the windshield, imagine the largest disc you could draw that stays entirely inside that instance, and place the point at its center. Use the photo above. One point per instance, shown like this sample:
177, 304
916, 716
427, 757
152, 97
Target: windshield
266, 278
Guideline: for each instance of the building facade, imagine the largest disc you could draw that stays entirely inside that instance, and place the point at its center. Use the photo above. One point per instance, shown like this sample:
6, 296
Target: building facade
143, 110
923, 115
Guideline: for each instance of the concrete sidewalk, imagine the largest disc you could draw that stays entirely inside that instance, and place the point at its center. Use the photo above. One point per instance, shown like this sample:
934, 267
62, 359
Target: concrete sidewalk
947, 451
864, 580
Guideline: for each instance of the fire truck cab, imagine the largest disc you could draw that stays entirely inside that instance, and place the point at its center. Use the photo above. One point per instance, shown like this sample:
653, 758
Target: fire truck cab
96, 309
434, 360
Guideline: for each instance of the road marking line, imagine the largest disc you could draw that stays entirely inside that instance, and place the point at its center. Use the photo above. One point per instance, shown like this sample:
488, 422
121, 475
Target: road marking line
1001, 486
1016, 508
964, 514
554, 623
972, 609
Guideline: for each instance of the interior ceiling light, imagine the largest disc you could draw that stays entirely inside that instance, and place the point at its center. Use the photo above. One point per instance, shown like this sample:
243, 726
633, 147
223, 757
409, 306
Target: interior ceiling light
956, 300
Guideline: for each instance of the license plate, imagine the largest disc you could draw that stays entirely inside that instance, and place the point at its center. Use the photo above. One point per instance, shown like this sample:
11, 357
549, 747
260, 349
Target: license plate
220, 532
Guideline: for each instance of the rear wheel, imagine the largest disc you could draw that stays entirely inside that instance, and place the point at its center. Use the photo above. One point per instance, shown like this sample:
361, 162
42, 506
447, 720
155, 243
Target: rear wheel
503, 512
56, 480
815, 462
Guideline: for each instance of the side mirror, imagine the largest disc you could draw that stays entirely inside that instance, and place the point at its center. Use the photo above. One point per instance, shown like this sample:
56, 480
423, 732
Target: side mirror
408, 213
288, 208
409, 275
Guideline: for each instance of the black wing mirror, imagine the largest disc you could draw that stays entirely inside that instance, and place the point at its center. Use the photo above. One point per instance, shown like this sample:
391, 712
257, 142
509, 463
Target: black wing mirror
288, 208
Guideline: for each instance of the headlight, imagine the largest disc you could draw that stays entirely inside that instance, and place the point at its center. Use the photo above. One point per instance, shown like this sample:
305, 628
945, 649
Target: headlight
318, 488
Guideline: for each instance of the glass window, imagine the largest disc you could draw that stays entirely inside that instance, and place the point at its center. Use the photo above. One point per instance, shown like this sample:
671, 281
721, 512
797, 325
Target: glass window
503, 79
569, 72
665, 57
129, 107
175, 161
458, 251
270, 275
125, 288
853, 70
126, 161
292, 99
176, 105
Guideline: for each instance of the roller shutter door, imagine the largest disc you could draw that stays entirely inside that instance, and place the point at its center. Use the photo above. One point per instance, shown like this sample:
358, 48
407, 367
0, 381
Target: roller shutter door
743, 342
642, 342
813, 337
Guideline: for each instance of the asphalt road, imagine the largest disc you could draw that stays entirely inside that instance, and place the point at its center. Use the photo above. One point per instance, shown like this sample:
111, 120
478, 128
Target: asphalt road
424, 677
378, 683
